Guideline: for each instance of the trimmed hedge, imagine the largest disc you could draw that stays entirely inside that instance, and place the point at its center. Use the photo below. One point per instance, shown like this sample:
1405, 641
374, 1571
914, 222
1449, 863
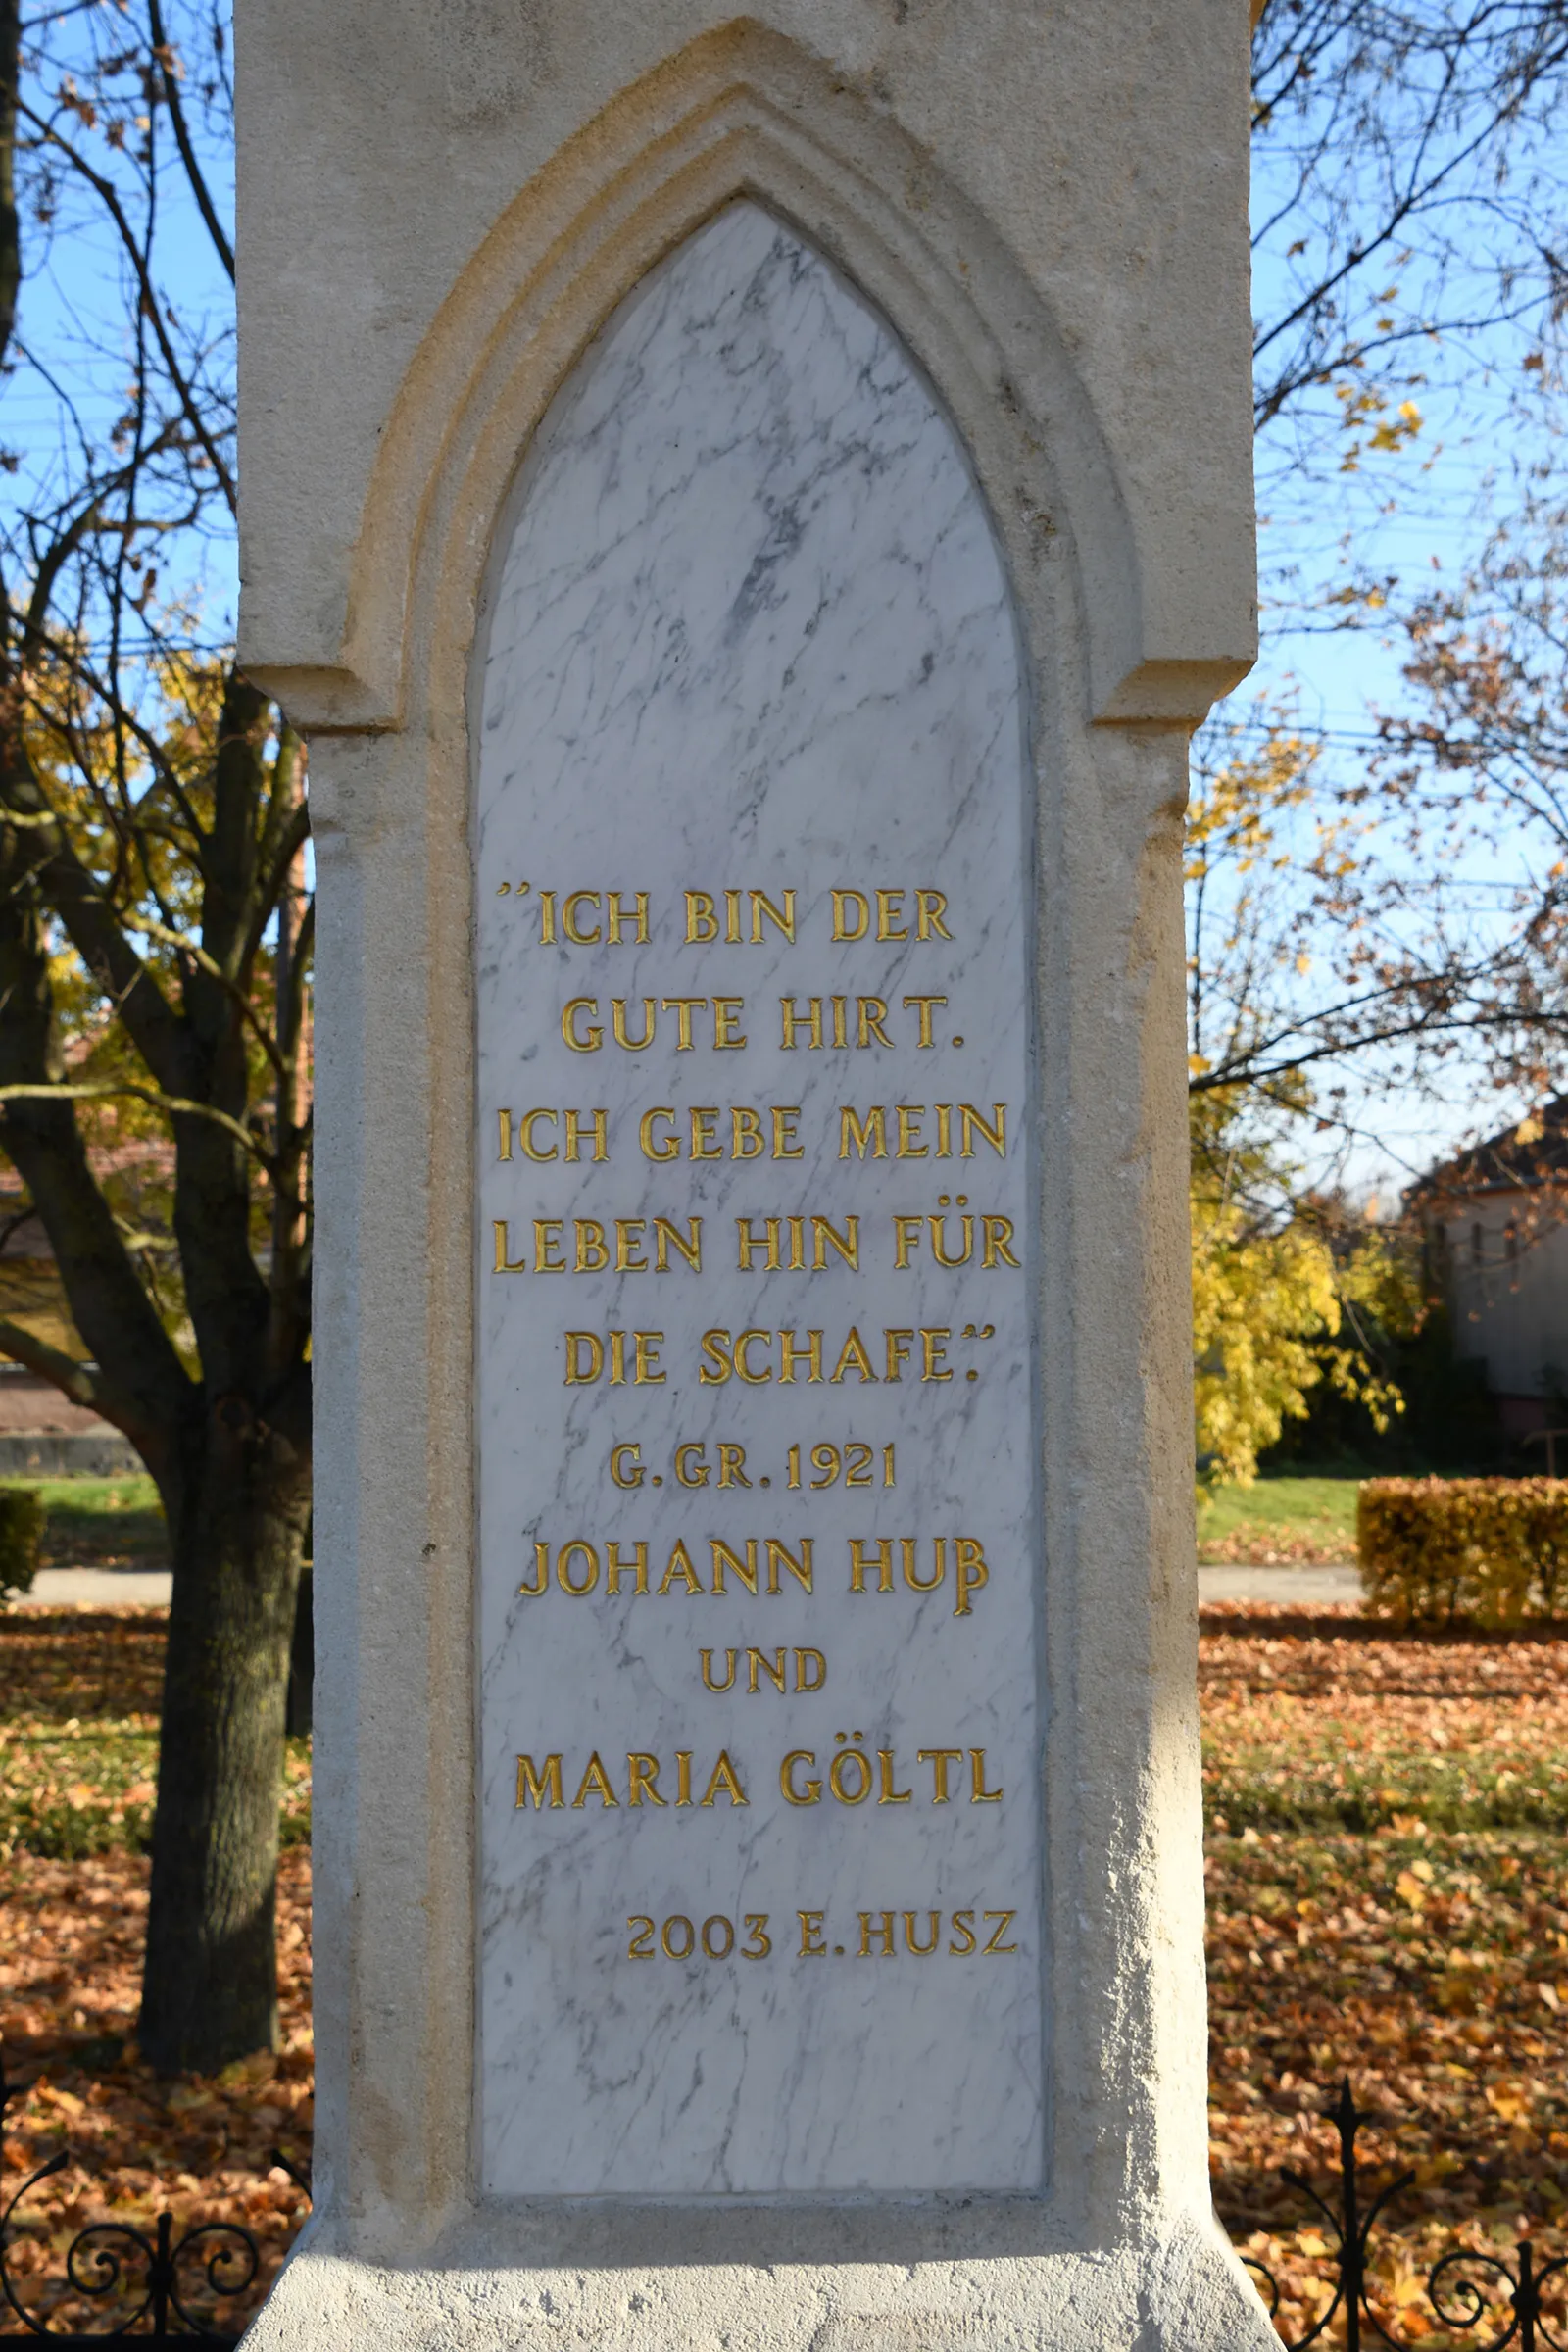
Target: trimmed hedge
22, 1523
1481, 1550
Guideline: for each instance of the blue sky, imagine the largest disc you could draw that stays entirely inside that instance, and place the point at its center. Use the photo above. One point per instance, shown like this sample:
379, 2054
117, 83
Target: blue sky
1412, 519
1432, 500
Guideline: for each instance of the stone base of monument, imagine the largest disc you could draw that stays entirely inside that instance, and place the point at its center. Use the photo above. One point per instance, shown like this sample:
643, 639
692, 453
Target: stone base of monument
498, 2288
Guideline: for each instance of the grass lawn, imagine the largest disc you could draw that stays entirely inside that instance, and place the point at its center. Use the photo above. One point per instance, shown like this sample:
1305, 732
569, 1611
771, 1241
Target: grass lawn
78, 1698
1279, 1522
69, 1963
78, 1735
100, 1522
1388, 1897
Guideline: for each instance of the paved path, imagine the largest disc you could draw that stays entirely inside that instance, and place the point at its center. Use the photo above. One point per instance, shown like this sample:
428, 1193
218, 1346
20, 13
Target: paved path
98, 1587
1291, 1586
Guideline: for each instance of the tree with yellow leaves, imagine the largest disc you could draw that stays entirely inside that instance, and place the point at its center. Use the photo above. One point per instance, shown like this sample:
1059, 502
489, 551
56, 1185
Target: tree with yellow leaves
1283, 1291
1286, 1280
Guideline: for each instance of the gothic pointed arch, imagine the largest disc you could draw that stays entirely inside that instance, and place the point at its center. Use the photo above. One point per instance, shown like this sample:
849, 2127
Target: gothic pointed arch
741, 112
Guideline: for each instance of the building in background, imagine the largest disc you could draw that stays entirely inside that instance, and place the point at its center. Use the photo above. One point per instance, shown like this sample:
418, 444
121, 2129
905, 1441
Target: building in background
1496, 1224
42, 1433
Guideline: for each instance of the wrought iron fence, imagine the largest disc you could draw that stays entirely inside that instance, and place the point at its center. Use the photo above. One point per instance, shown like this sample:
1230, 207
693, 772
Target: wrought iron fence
1479, 2295
142, 2278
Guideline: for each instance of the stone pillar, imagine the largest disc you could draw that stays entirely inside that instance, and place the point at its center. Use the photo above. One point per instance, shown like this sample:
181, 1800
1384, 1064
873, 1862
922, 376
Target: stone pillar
749, 512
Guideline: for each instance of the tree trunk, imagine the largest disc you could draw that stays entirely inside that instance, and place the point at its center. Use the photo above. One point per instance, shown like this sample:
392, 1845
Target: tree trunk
10, 238
237, 1522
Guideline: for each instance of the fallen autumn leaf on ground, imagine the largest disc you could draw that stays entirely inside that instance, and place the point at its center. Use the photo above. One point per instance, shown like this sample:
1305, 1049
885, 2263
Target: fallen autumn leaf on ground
1388, 1897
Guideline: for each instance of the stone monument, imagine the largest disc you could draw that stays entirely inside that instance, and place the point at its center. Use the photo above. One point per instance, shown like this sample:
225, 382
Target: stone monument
749, 510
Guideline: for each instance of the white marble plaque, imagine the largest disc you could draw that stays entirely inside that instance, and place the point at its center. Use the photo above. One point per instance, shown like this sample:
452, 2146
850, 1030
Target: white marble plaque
758, 1608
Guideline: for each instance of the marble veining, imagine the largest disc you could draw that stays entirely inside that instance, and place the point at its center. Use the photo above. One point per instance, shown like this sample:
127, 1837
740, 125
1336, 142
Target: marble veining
751, 631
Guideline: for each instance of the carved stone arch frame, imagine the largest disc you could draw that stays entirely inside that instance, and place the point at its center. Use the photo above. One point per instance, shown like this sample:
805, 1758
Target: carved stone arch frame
738, 113
744, 113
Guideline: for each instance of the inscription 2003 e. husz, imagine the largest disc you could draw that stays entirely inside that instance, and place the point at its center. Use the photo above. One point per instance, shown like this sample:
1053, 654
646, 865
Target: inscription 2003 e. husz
759, 1591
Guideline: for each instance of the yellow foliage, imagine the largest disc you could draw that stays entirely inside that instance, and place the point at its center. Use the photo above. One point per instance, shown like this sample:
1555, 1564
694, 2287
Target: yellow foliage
1363, 405
1270, 1295
32, 1294
1260, 1300
1234, 812
140, 843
